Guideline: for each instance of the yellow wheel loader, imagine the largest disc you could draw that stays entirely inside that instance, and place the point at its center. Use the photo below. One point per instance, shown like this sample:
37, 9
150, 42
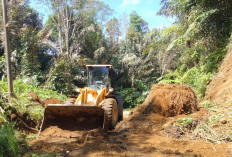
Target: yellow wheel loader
96, 105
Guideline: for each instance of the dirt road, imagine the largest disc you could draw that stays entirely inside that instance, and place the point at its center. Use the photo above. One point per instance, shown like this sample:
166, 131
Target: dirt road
126, 113
145, 132
140, 138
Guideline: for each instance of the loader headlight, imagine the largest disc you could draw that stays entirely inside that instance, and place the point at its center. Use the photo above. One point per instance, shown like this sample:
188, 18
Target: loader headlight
111, 89
78, 90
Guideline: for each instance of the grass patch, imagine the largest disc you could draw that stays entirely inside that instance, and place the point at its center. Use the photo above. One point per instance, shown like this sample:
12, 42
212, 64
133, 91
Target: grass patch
30, 112
184, 121
205, 104
22, 105
22, 89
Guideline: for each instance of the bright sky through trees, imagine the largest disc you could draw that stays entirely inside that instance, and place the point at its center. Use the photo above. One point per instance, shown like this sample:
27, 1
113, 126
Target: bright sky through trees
145, 8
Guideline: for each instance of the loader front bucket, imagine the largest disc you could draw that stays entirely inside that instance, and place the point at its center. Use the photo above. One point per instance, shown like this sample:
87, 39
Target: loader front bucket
73, 117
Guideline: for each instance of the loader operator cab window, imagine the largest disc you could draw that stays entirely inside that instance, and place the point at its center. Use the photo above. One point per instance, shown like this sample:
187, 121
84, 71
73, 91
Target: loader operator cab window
98, 77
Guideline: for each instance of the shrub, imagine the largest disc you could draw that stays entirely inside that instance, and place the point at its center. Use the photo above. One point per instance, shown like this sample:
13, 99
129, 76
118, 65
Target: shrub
132, 97
8, 141
193, 77
197, 80
22, 105
22, 87
63, 76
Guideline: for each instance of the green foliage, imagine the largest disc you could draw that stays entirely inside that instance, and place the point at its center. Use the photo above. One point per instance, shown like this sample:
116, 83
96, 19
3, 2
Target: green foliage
22, 104
197, 80
3, 117
131, 97
134, 96
2, 66
32, 136
184, 121
8, 141
138, 23
30, 48
194, 77
205, 103
21, 89
63, 75
25, 24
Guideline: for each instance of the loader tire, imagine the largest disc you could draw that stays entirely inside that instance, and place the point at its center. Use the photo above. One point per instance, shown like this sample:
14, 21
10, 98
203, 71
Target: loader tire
110, 107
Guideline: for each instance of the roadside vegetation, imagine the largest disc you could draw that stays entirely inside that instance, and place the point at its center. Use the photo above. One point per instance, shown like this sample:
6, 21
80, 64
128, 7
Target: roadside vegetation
47, 58
22, 113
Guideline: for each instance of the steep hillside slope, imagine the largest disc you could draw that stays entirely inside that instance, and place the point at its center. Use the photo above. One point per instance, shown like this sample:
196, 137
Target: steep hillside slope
219, 91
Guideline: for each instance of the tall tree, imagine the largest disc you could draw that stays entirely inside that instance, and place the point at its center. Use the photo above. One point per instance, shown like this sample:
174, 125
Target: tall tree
20, 17
74, 29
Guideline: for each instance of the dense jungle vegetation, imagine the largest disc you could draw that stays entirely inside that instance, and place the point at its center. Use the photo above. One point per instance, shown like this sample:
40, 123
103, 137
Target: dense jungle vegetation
49, 57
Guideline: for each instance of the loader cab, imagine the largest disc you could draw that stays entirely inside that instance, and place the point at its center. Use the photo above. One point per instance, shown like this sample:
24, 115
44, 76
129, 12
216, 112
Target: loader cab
98, 76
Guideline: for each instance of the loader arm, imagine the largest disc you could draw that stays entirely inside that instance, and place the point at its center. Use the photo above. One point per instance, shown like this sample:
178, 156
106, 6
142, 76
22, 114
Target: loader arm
91, 97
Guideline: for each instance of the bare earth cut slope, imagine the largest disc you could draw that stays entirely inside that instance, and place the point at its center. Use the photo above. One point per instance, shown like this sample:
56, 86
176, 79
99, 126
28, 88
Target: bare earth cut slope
219, 91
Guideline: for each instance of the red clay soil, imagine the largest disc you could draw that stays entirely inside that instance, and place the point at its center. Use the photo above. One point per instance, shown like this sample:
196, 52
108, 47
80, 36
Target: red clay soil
34, 97
52, 101
219, 91
170, 100
138, 135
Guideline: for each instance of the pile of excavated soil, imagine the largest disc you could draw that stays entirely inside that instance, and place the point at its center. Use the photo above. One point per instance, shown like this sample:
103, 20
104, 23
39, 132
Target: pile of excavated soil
164, 100
170, 100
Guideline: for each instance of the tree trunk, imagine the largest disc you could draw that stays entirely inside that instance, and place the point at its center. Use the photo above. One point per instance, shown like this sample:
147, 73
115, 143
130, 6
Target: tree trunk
132, 80
60, 41
66, 23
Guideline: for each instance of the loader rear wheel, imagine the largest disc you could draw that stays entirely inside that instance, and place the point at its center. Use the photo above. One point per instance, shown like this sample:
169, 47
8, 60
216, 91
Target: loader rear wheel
110, 107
